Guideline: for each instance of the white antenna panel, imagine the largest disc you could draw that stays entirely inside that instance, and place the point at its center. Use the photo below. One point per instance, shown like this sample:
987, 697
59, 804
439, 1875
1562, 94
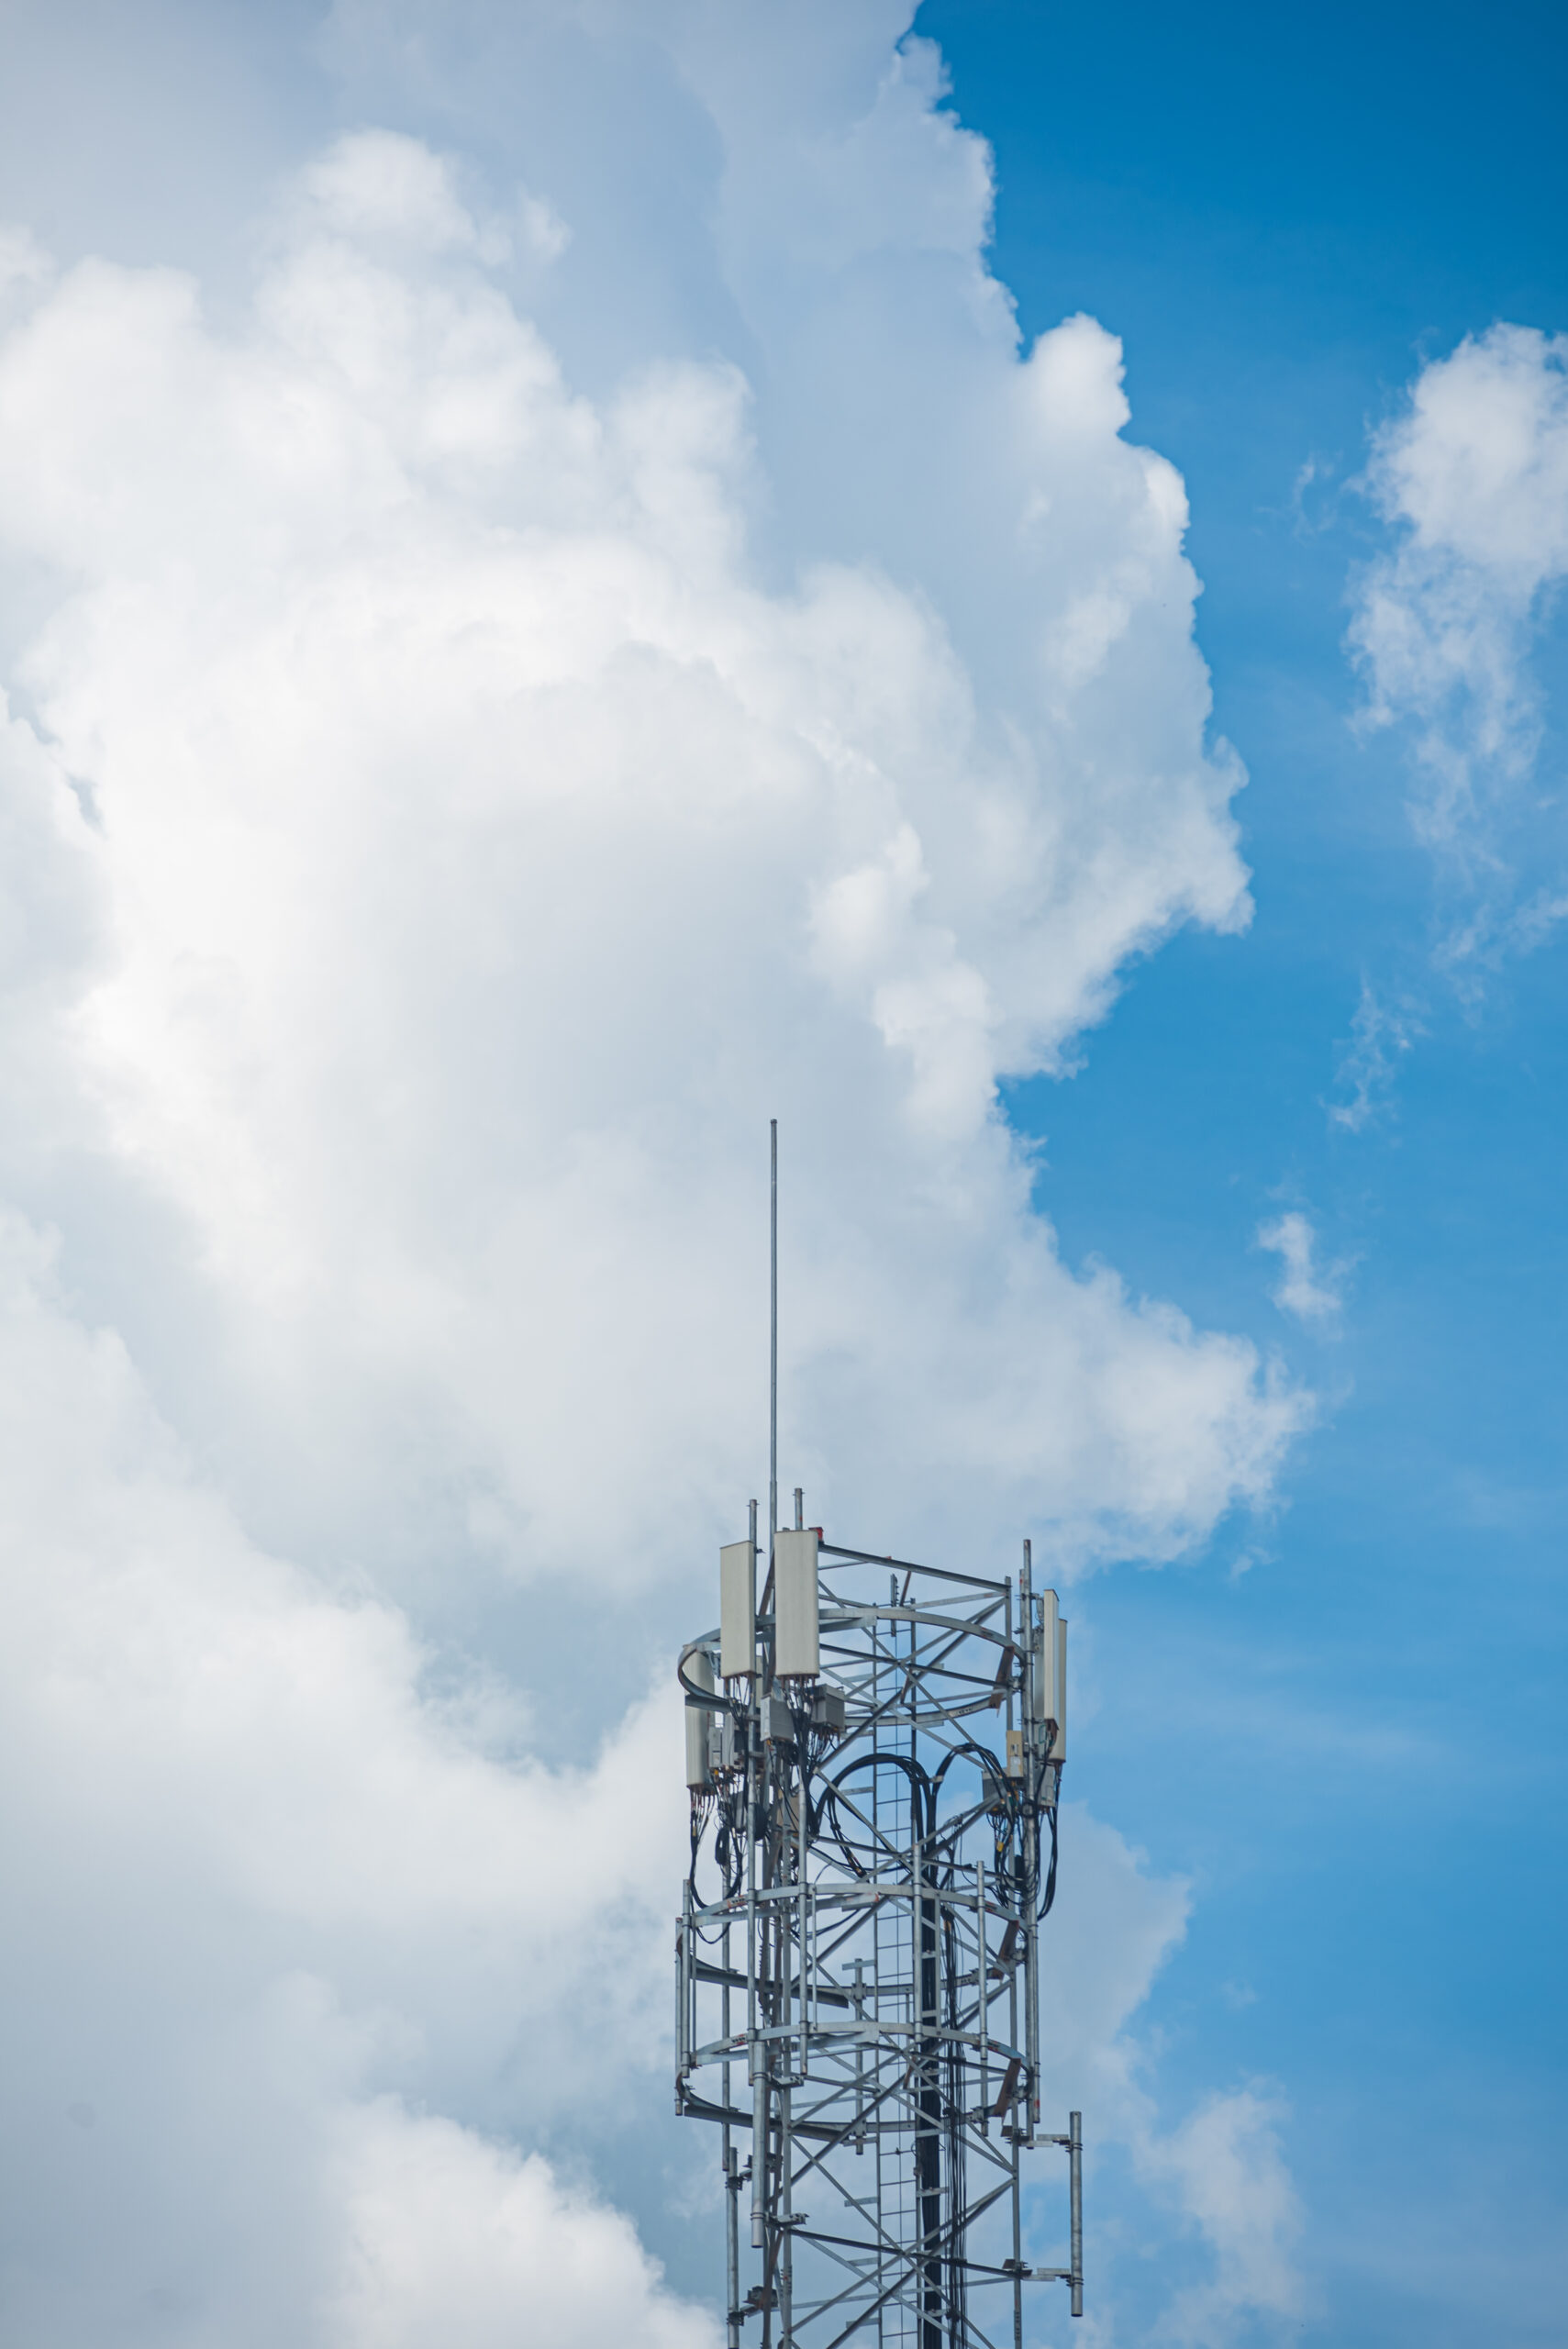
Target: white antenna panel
797, 1644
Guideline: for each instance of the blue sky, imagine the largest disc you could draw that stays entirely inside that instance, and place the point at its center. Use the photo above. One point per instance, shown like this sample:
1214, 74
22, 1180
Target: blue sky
547, 615
1357, 1746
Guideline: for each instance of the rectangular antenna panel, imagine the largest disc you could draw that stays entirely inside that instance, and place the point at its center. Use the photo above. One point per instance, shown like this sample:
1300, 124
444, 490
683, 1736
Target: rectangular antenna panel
737, 1610
1058, 1748
1042, 1675
699, 1776
796, 1652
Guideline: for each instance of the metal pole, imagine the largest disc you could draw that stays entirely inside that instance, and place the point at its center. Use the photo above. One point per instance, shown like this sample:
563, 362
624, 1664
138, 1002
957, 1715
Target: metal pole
732, 2184
682, 1993
923, 1977
779, 1923
1017, 2232
759, 2205
1031, 1832
756, 2047
773, 1341
786, 2245
1015, 2149
859, 2055
801, 1905
1076, 2191
887, 2263
732, 2243
983, 1978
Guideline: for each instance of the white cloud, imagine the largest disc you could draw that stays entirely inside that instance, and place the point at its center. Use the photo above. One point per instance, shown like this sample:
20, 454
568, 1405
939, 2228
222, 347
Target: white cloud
1222, 2170
1310, 1290
262, 1891
487, 852
1472, 478
1226, 2166
451, 2239
1368, 1059
464, 778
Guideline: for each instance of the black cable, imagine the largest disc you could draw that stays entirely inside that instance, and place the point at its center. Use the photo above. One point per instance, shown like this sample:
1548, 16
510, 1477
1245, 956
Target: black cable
699, 1828
920, 1782
1051, 1878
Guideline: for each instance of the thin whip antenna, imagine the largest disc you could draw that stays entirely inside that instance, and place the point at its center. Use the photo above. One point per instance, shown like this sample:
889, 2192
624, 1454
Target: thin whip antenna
774, 1344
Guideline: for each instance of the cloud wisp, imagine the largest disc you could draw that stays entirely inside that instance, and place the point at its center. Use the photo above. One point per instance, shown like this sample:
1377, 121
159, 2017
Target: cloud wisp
1311, 1290
1369, 1058
1473, 480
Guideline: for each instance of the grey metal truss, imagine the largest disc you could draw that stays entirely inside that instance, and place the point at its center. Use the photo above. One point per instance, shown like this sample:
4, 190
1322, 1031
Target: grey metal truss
857, 1955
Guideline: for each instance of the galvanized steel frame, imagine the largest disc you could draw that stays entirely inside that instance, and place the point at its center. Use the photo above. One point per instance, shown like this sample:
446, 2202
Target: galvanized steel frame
857, 2008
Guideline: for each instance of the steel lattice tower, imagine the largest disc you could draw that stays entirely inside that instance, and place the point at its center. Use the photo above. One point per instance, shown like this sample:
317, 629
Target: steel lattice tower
857, 1989
877, 1748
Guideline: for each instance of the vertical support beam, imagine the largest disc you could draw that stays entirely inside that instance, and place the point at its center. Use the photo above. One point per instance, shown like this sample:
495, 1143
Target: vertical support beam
774, 1338
786, 2231
691, 1974
802, 1919
859, 2055
754, 2065
984, 1977
732, 2247
927, 2064
1017, 2224
1031, 1834
1075, 2190
730, 2166
1015, 2134
756, 2047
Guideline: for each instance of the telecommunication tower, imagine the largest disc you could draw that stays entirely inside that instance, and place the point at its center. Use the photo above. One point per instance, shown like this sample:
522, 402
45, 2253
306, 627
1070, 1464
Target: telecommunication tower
874, 1755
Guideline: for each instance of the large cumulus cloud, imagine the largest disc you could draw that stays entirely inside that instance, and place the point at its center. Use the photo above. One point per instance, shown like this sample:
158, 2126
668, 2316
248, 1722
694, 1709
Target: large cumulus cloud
482, 850
469, 764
